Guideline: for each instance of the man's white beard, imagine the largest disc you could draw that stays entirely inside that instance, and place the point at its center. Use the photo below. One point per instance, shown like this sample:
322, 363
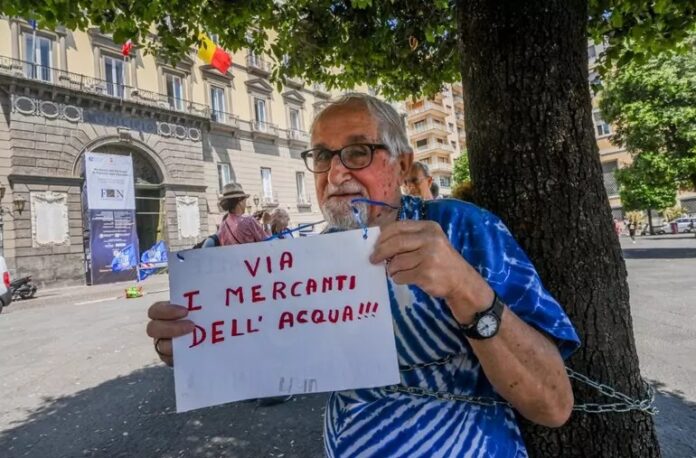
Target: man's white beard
338, 213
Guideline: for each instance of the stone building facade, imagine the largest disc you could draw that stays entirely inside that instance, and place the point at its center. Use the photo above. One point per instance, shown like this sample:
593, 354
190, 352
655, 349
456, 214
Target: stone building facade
189, 129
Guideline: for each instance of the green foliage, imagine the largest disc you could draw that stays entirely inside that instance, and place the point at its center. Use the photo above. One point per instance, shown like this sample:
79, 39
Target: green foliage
461, 172
653, 108
648, 183
403, 47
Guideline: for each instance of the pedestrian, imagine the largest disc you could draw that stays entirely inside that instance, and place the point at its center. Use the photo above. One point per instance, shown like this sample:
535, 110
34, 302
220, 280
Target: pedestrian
418, 181
279, 222
471, 317
632, 230
236, 227
435, 191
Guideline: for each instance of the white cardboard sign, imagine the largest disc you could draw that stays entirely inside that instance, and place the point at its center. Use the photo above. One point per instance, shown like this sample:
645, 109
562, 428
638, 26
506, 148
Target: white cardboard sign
282, 317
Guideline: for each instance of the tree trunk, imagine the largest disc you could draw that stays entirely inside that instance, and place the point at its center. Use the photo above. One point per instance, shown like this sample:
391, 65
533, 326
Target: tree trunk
535, 163
652, 229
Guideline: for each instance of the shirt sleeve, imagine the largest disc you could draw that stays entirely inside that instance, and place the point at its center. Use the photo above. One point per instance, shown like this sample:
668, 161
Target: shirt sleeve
492, 250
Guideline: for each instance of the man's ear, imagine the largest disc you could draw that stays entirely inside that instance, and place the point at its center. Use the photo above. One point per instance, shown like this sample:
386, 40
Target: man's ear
405, 163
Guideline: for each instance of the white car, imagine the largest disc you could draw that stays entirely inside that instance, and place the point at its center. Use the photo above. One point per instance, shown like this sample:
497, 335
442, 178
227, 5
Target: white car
5, 293
684, 224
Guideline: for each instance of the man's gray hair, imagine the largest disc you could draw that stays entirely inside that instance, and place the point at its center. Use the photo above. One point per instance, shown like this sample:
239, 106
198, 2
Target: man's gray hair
391, 128
422, 166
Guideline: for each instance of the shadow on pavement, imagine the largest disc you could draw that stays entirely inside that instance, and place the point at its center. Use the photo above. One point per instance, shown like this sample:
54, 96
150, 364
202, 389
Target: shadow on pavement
675, 423
659, 253
133, 416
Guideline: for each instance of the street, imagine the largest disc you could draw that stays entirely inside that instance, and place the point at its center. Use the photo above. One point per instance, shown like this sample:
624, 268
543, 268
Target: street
79, 377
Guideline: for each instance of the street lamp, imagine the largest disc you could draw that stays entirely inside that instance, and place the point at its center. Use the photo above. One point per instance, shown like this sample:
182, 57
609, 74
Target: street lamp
19, 202
256, 202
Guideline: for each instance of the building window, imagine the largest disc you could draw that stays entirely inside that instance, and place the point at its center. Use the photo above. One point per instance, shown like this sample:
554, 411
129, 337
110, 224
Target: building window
267, 185
610, 184
175, 92
38, 53
422, 144
215, 38
591, 53
224, 175
451, 127
113, 74
260, 111
601, 127
445, 182
295, 122
454, 144
217, 104
302, 197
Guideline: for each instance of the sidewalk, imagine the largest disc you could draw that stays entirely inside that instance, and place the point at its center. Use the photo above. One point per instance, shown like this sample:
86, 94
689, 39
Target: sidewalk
84, 295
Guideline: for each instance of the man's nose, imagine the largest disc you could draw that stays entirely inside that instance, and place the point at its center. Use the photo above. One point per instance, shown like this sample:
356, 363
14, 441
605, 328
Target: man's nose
338, 173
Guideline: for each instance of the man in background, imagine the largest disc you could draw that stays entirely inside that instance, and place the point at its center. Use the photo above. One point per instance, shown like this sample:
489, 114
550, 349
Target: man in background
418, 181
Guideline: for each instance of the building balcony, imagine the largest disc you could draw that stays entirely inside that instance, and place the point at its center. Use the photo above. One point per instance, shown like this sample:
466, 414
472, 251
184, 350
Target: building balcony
457, 89
460, 120
458, 101
298, 137
258, 65
429, 128
269, 200
440, 167
221, 119
304, 200
428, 108
433, 147
264, 129
54, 78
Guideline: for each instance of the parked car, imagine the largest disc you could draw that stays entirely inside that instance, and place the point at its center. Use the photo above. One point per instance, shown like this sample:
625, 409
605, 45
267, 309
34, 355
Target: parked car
684, 224
5, 293
658, 229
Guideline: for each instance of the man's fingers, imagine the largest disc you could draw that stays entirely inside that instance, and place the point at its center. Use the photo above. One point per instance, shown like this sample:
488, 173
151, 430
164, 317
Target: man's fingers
158, 329
393, 246
164, 347
163, 310
168, 360
402, 227
406, 277
404, 261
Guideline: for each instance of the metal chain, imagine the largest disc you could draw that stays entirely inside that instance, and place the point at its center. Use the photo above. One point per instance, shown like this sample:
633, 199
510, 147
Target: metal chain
627, 403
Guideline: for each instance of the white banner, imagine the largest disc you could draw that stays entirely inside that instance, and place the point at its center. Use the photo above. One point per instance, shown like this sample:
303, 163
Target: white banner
109, 182
282, 317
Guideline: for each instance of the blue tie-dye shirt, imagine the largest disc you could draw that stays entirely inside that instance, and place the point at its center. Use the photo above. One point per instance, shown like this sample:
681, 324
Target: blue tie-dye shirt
377, 423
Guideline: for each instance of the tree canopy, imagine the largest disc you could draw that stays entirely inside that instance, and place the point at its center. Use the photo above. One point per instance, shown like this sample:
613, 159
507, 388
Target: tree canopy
461, 172
648, 184
405, 48
652, 105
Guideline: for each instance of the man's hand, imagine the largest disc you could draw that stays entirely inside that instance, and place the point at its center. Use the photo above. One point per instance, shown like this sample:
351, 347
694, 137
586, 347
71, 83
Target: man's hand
165, 324
419, 253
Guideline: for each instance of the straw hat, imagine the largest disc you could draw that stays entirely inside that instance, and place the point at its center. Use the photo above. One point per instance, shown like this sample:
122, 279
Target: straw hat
229, 192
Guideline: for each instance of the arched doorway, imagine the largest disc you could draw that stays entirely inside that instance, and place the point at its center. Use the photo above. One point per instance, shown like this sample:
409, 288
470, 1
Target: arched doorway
149, 204
149, 194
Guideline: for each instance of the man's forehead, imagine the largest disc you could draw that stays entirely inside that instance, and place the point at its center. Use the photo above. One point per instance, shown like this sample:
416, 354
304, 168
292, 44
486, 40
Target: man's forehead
344, 124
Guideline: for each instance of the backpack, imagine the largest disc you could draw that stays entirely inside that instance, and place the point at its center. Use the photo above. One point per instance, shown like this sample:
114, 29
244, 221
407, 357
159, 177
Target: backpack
216, 241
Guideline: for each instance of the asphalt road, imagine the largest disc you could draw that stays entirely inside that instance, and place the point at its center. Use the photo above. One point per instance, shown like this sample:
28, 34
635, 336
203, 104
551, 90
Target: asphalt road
79, 378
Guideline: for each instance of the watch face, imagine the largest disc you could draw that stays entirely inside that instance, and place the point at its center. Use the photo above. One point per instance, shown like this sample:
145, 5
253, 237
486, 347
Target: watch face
487, 326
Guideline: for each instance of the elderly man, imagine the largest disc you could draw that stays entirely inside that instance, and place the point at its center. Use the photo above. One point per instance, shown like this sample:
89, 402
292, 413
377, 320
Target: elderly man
472, 321
419, 182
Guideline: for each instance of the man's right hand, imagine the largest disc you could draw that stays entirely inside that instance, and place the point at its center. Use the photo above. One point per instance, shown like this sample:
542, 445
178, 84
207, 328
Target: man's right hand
165, 324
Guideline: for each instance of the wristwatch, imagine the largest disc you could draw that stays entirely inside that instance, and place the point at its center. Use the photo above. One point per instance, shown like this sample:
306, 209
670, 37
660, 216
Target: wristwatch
487, 323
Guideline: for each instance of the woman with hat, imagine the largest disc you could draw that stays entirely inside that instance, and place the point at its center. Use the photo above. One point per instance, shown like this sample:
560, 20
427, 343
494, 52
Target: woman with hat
236, 227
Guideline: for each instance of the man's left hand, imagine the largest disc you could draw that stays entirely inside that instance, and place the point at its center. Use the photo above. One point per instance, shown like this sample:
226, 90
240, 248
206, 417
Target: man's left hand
419, 253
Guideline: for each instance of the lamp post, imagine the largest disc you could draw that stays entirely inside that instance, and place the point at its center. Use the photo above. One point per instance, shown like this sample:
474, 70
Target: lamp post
18, 204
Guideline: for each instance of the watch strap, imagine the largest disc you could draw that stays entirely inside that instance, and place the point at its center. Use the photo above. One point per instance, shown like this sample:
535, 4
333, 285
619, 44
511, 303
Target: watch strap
495, 309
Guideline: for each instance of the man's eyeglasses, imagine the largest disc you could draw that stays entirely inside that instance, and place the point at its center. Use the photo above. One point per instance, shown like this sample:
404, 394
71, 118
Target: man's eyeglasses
353, 157
413, 181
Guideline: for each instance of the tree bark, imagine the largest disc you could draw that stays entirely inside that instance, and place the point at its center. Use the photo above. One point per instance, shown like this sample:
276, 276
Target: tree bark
534, 162
652, 229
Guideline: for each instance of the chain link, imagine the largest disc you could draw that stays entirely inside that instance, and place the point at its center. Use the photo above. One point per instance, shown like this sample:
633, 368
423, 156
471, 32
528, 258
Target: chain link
627, 403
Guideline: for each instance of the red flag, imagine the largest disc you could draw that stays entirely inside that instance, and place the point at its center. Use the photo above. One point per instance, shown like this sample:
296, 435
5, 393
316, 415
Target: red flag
126, 48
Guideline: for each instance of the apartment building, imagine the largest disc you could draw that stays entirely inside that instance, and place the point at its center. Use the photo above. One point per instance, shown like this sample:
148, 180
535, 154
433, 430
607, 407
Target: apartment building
614, 156
435, 128
188, 128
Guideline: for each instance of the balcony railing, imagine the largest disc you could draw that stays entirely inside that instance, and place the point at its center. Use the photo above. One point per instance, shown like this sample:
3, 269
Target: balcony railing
432, 146
429, 126
258, 64
225, 118
269, 200
263, 127
426, 107
440, 167
87, 84
304, 199
298, 136
320, 89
